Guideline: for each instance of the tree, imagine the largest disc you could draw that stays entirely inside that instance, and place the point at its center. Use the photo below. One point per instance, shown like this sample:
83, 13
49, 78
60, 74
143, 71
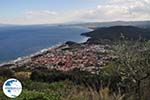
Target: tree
134, 63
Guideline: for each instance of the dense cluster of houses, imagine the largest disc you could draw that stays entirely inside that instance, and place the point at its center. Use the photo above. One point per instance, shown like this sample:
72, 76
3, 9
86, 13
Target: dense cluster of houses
65, 58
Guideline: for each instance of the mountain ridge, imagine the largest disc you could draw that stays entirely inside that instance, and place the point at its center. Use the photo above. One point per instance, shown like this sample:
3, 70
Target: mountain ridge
142, 24
115, 32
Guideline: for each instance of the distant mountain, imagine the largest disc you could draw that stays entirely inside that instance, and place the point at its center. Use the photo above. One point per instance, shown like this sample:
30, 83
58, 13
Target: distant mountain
115, 33
5, 25
142, 24
2, 24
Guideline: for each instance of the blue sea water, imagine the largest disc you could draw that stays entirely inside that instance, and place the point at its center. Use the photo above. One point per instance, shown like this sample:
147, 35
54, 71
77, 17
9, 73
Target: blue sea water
18, 41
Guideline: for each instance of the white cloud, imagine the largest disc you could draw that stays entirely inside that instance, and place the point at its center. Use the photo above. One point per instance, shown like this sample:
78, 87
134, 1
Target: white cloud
41, 13
118, 10
34, 17
41, 17
108, 11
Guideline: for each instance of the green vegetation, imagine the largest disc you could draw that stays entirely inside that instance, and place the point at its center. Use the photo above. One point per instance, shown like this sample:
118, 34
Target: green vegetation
114, 33
125, 78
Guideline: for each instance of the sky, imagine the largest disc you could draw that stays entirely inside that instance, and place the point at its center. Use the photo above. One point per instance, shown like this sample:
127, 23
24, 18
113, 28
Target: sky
68, 11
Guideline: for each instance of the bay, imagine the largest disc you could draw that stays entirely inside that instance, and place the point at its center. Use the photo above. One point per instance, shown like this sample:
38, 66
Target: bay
19, 41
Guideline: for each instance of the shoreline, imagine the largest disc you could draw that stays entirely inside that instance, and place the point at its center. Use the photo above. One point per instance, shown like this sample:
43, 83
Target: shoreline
29, 56
42, 51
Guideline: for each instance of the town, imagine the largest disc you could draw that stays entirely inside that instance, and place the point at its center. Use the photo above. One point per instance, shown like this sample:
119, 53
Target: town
86, 57
66, 57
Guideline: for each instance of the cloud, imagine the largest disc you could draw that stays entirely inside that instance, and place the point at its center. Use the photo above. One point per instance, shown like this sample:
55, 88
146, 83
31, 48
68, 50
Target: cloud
110, 10
118, 10
41, 13
41, 17
34, 17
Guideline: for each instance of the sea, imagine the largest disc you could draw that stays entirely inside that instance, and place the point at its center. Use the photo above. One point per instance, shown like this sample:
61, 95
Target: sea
23, 40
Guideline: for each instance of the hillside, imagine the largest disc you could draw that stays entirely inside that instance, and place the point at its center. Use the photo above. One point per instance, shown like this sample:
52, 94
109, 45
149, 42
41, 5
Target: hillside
115, 32
141, 24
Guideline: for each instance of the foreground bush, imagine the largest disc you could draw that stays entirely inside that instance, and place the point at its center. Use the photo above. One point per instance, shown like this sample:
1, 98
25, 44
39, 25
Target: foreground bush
76, 76
33, 95
48, 76
133, 67
91, 94
4, 72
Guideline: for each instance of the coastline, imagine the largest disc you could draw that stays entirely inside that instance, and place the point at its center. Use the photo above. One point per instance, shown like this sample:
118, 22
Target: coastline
29, 56
42, 51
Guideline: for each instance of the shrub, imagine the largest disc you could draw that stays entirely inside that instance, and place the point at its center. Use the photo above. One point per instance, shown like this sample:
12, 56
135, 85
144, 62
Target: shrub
33, 95
23, 75
6, 73
48, 76
76, 76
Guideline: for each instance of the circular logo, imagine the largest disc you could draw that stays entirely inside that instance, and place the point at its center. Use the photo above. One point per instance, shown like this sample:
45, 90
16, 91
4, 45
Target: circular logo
12, 88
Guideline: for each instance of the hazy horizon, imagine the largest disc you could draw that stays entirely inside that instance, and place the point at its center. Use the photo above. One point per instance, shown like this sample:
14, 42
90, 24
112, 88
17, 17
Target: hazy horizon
67, 11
